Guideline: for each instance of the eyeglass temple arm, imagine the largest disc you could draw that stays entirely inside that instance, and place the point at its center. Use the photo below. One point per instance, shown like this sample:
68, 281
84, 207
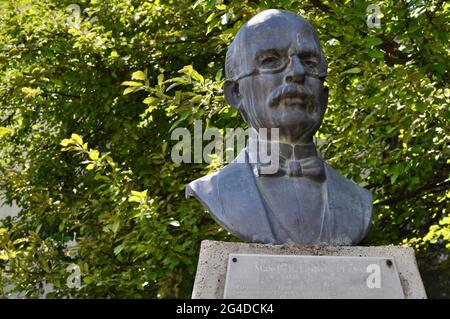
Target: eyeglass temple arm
320, 76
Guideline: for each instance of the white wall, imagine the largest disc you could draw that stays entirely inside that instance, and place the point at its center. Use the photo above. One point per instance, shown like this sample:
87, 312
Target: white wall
6, 210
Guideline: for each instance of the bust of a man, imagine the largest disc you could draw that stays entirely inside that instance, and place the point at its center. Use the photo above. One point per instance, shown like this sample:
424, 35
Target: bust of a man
275, 71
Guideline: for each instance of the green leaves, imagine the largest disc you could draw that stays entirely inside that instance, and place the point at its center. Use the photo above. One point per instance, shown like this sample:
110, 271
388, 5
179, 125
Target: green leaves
134, 86
138, 75
396, 171
371, 42
4, 131
352, 71
190, 72
160, 79
131, 83
75, 138
138, 197
31, 92
74, 143
94, 154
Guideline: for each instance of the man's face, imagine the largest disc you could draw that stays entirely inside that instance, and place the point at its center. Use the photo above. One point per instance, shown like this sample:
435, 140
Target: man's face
283, 89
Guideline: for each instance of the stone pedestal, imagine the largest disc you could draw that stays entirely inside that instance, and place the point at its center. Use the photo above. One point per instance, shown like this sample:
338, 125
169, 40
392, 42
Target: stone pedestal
399, 271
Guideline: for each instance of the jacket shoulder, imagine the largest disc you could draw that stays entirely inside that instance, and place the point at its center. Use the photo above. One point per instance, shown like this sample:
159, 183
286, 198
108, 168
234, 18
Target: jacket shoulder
209, 190
351, 203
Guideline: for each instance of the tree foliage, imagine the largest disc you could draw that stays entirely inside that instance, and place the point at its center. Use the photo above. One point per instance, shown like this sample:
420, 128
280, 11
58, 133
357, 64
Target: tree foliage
90, 93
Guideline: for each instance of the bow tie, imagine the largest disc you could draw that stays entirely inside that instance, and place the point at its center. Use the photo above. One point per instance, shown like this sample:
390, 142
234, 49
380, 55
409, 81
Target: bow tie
310, 167
306, 163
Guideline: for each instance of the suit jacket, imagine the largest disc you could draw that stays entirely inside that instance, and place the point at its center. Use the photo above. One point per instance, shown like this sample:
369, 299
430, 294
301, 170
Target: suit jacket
233, 199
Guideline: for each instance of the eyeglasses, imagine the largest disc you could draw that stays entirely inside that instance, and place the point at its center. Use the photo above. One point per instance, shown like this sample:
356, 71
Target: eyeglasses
273, 62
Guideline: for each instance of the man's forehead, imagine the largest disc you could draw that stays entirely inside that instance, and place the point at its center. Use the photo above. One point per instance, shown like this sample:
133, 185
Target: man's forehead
273, 30
298, 39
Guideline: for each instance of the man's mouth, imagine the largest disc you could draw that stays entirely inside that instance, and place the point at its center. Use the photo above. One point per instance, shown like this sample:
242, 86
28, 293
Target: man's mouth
292, 96
292, 101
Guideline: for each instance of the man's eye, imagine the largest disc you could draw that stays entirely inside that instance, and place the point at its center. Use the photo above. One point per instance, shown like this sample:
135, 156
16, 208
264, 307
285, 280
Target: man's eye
270, 62
310, 63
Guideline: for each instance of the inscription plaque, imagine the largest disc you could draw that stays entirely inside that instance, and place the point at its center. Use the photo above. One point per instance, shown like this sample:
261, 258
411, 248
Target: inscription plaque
256, 276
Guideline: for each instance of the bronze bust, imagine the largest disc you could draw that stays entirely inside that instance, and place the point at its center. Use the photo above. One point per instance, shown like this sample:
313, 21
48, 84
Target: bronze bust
275, 70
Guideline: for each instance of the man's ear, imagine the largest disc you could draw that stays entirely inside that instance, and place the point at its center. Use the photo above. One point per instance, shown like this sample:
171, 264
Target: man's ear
232, 96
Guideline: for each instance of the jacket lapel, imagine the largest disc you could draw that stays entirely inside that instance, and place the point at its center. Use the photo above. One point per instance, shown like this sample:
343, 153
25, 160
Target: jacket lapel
242, 204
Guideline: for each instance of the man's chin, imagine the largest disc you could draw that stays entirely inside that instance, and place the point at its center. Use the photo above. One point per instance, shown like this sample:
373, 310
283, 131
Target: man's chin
295, 115
299, 121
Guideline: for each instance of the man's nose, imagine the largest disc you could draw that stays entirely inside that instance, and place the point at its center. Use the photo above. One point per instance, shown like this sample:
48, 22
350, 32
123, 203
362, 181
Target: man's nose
296, 71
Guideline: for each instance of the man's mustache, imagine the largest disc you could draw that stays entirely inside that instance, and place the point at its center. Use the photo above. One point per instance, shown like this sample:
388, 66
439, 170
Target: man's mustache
292, 92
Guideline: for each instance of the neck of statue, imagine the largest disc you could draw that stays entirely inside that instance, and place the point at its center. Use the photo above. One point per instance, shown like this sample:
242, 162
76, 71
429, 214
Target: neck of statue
262, 148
